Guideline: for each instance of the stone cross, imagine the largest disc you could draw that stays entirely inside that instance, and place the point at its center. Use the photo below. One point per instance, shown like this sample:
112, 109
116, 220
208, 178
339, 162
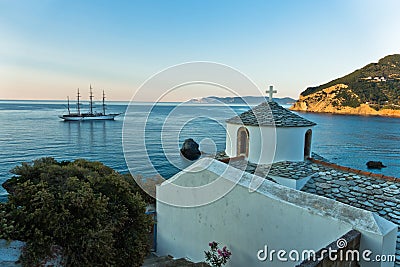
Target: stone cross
271, 91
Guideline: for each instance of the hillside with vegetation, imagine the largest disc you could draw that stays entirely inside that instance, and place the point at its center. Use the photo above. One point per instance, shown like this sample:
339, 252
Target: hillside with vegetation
371, 90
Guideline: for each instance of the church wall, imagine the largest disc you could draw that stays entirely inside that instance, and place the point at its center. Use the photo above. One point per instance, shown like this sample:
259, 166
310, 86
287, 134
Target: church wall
274, 216
231, 139
290, 143
262, 144
288, 146
256, 135
269, 144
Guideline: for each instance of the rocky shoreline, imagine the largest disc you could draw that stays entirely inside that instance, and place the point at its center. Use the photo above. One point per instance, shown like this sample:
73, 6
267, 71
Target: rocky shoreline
362, 110
326, 101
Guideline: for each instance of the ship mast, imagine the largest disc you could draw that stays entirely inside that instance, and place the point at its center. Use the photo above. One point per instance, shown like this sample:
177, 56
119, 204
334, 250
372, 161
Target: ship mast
91, 100
78, 104
104, 105
69, 111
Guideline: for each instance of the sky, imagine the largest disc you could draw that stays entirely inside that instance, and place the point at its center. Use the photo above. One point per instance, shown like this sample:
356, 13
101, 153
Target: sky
49, 48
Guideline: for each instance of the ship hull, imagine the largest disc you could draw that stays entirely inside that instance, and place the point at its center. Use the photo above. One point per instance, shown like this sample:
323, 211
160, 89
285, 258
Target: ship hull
89, 118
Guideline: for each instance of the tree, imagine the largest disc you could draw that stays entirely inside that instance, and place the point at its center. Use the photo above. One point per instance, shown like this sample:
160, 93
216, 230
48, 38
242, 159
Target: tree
89, 213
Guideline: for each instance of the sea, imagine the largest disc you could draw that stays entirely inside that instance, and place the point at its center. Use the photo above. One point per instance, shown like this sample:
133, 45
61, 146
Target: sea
32, 129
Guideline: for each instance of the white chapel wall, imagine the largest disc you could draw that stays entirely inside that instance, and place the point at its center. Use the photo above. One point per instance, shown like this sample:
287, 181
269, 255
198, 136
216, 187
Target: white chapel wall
269, 144
231, 139
290, 143
276, 216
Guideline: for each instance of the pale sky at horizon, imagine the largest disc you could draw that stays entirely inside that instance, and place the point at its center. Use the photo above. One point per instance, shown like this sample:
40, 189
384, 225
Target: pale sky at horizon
49, 48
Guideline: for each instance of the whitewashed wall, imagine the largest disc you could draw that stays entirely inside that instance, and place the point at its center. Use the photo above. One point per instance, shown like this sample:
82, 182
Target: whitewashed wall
290, 143
274, 215
231, 139
269, 144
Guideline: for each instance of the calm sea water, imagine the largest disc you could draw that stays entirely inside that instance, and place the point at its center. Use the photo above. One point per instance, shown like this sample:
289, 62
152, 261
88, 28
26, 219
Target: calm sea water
31, 129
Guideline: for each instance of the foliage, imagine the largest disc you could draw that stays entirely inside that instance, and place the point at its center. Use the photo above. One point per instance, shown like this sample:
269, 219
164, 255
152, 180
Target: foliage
215, 256
6, 223
95, 215
369, 90
346, 98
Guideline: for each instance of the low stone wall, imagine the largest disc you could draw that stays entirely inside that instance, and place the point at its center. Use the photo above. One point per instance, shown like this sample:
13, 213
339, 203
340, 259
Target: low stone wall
343, 246
355, 171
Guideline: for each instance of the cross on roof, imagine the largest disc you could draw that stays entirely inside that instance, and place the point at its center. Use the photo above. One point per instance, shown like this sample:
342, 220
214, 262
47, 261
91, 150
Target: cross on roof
271, 91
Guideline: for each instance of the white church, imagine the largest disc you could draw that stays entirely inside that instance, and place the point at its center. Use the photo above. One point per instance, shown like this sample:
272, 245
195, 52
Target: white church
297, 205
269, 133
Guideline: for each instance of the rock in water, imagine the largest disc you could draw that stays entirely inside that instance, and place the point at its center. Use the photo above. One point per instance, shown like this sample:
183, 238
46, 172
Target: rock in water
190, 149
375, 165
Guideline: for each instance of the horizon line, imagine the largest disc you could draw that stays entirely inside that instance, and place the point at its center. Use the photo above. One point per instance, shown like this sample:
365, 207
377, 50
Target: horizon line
145, 101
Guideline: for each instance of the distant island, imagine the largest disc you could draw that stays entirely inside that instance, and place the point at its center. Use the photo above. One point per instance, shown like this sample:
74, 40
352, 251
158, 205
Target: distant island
371, 90
245, 100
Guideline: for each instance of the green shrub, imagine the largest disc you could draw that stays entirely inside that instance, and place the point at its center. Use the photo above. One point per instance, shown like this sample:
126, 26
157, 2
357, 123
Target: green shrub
6, 223
95, 215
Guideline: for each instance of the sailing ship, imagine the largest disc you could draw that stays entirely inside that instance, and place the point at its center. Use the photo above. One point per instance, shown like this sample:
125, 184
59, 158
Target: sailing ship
90, 115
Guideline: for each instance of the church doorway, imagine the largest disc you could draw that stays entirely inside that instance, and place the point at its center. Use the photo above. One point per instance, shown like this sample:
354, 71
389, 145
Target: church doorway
243, 142
307, 144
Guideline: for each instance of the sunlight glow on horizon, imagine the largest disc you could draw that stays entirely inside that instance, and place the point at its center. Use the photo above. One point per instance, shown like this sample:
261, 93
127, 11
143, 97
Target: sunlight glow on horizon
50, 48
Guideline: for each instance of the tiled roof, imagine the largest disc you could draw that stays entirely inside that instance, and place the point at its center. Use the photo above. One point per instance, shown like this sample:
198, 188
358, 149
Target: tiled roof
353, 187
270, 114
369, 193
286, 169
